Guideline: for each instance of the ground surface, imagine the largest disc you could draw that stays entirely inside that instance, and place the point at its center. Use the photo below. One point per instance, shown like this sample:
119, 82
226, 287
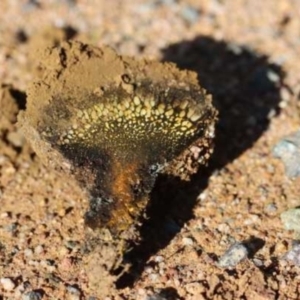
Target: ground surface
246, 53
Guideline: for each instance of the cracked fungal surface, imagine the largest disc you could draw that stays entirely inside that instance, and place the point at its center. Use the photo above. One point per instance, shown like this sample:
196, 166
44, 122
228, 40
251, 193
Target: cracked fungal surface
114, 123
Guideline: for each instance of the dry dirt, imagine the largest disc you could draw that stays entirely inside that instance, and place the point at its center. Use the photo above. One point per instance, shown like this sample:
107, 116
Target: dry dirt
246, 54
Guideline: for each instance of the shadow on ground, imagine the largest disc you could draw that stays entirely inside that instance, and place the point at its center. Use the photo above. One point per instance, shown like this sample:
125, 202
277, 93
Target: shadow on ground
245, 88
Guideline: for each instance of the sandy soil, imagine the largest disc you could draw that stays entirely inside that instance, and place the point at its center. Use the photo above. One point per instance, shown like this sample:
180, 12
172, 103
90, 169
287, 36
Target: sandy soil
246, 54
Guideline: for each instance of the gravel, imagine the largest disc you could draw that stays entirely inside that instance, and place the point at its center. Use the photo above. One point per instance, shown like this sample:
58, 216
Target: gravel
33, 295
38, 249
74, 292
187, 241
288, 150
291, 219
189, 14
7, 283
234, 255
293, 255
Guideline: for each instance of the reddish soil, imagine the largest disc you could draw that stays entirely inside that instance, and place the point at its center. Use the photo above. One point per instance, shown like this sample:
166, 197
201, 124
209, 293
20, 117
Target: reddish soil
246, 54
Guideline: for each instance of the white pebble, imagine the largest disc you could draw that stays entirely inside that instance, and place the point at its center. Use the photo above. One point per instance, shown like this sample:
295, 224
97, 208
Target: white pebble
4, 215
38, 249
7, 283
28, 252
234, 255
159, 258
187, 241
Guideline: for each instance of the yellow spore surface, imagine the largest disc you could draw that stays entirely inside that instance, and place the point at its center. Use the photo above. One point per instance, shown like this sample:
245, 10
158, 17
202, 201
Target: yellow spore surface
114, 122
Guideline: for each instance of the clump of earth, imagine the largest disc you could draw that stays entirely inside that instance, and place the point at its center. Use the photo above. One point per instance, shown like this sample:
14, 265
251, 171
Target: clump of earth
113, 124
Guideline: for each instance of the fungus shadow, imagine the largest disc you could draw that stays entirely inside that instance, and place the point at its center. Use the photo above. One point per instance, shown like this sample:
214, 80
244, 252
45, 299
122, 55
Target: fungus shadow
246, 91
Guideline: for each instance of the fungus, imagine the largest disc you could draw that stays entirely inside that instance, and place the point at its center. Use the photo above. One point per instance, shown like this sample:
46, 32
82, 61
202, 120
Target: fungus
114, 123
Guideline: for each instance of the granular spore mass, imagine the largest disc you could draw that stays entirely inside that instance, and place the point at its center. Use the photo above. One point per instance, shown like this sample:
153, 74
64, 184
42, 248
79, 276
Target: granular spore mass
114, 123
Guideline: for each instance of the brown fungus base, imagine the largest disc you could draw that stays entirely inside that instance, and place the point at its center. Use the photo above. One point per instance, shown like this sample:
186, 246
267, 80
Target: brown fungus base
114, 123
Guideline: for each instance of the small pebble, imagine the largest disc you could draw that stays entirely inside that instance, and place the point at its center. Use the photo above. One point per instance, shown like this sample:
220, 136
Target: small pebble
153, 277
187, 241
288, 150
202, 197
285, 95
159, 258
272, 76
71, 245
235, 254
189, 14
74, 292
16, 139
235, 49
141, 292
291, 219
7, 283
11, 228
33, 295
258, 262
271, 208
223, 227
293, 255
4, 215
28, 252
3, 159
38, 249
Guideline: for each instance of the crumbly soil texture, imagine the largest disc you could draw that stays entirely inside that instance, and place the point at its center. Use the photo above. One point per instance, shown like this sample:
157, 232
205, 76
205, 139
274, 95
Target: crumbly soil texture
211, 231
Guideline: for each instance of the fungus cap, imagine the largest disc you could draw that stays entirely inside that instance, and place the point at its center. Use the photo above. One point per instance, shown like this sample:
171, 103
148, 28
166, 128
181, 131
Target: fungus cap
113, 123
